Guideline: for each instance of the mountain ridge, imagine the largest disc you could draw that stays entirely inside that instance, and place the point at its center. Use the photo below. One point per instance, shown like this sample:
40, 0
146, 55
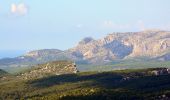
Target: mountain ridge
124, 45
154, 44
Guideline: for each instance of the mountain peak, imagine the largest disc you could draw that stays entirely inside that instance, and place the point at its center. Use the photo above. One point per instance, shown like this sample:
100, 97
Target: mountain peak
86, 40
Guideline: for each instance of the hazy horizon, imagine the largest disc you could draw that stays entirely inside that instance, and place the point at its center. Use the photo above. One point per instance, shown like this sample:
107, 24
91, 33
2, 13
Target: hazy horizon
32, 25
11, 53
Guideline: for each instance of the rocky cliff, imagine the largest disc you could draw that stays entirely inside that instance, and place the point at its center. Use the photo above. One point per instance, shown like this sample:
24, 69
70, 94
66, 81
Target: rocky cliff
153, 44
123, 45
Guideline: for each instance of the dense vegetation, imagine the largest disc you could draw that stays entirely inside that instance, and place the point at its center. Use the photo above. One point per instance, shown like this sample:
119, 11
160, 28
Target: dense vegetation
2, 73
120, 85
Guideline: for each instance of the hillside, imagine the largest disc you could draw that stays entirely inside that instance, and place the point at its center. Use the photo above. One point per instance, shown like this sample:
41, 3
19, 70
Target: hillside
32, 58
3, 73
49, 69
150, 45
113, 85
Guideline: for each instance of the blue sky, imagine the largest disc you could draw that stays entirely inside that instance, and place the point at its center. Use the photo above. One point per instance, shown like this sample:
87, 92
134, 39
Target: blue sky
60, 24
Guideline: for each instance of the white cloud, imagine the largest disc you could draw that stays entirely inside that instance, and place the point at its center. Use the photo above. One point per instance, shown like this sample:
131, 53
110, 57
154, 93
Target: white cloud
110, 25
138, 25
13, 8
19, 9
142, 26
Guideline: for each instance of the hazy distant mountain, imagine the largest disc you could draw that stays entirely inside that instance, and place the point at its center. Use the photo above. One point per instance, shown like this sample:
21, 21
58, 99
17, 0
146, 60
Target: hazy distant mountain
150, 44
34, 57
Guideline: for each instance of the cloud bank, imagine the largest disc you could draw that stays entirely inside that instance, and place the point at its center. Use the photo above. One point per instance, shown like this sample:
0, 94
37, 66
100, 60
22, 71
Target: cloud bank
19, 9
109, 24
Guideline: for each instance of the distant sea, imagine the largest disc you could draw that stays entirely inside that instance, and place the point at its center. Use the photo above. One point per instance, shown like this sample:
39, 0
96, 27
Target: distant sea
11, 53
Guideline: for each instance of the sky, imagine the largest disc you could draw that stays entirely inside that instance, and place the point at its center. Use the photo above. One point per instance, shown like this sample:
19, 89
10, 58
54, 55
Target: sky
61, 24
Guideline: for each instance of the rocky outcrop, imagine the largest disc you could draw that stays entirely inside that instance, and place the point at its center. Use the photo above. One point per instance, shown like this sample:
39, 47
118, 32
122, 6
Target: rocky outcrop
150, 43
160, 71
86, 40
51, 68
124, 45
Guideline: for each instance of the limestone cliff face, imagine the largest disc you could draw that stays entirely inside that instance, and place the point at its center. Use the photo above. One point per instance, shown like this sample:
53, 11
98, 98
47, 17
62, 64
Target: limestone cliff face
123, 45
152, 44
51, 68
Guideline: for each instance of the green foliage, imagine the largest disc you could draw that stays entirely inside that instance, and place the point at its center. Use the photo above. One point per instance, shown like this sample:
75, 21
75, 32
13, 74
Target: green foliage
3, 73
89, 86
